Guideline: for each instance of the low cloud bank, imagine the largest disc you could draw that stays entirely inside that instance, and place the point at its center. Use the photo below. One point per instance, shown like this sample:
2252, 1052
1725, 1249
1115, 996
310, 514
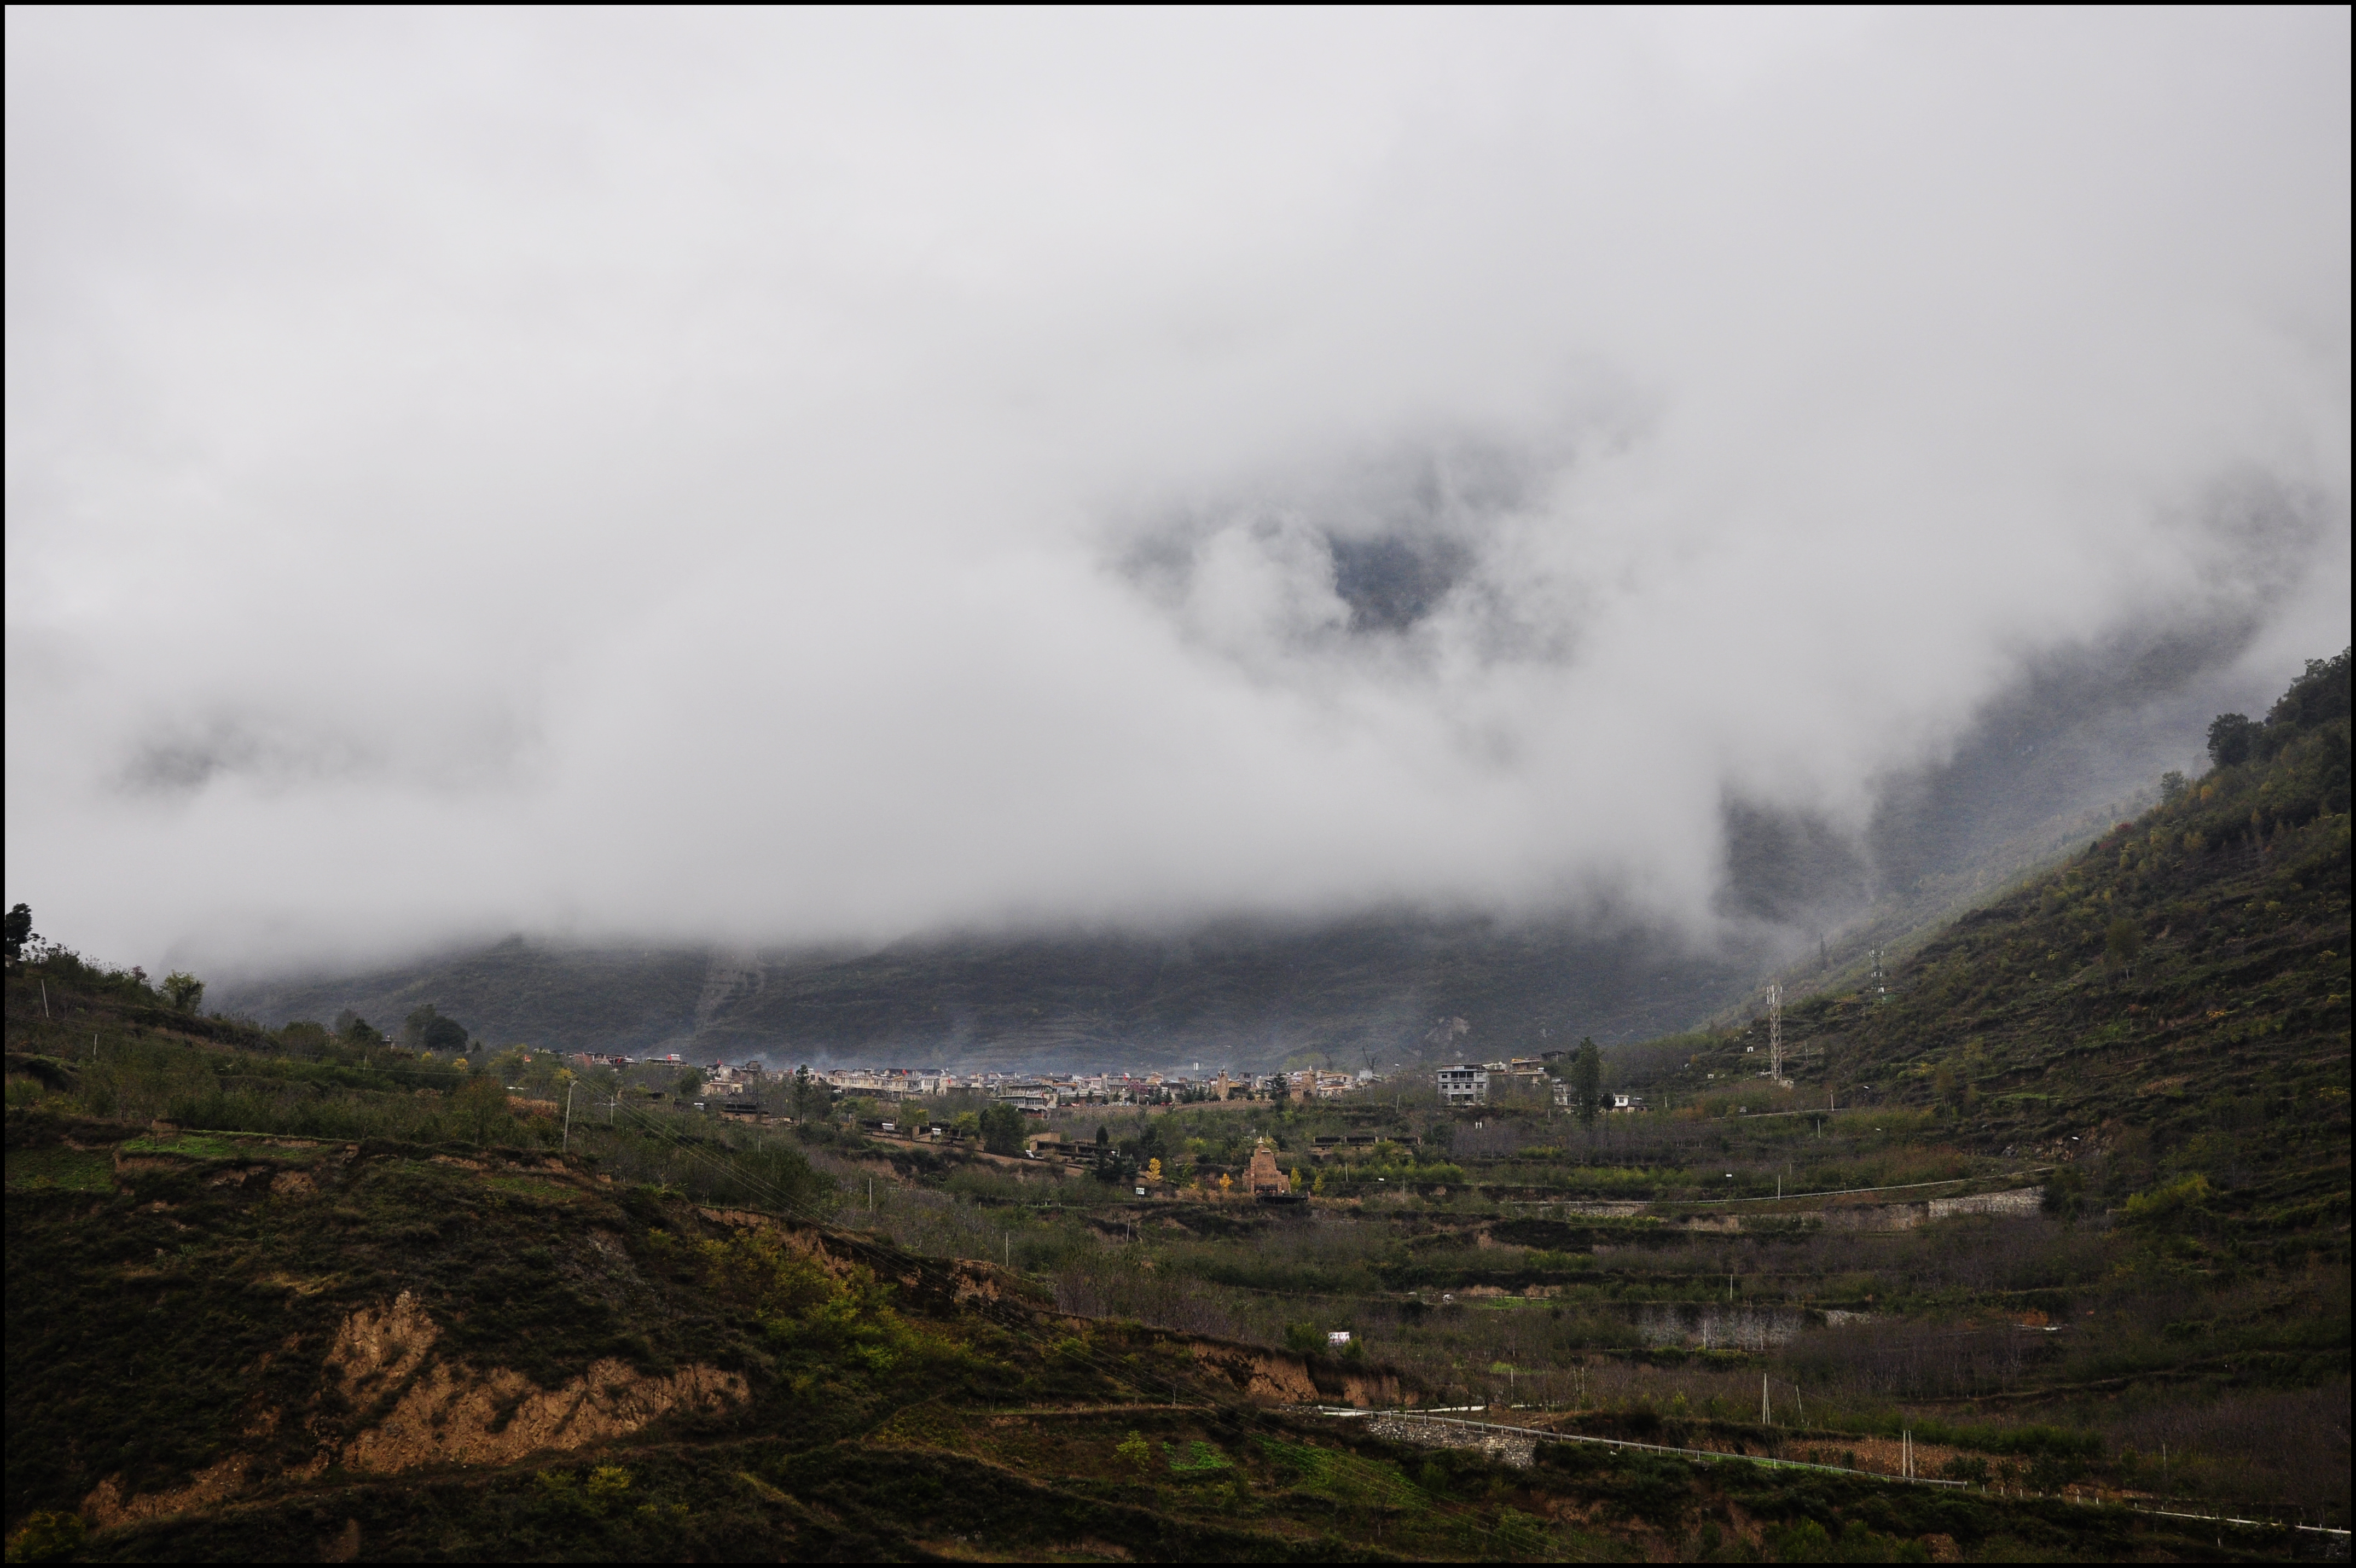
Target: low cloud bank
822, 478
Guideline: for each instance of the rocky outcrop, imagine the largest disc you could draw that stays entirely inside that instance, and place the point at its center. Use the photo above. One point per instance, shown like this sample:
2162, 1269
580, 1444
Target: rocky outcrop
452, 1415
418, 1408
106, 1506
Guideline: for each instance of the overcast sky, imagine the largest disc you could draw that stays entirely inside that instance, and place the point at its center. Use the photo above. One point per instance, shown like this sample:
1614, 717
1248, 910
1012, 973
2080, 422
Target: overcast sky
801, 475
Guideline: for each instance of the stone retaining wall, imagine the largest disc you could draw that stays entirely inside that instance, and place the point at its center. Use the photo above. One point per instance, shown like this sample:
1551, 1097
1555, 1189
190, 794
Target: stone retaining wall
1505, 1447
2019, 1200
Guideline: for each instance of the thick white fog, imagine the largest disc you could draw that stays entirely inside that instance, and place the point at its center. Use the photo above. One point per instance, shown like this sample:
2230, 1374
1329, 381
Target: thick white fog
790, 476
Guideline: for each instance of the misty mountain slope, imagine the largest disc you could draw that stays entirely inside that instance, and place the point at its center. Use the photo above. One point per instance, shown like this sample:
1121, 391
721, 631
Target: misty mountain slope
2046, 769
1237, 995
584, 998
2172, 1005
2080, 743
2102, 723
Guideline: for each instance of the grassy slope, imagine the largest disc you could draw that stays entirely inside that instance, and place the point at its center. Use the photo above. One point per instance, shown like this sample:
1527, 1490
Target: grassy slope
2172, 1003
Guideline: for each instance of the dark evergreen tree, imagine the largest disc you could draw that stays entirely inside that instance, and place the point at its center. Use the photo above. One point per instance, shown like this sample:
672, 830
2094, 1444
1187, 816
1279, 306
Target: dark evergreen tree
18, 926
1002, 1129
1587, 1082
2232, 738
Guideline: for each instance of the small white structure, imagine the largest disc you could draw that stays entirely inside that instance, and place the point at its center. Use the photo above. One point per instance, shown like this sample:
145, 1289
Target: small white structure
1338, 1338
1627, 1102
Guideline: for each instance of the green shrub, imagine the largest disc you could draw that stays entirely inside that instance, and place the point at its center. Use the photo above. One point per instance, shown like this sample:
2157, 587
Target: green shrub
1808, 1542
47, 1537
2171, 1203
607, 1486
1199, 1455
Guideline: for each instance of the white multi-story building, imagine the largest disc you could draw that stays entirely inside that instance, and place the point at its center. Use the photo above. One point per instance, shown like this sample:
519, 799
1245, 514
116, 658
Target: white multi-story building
1463, 1085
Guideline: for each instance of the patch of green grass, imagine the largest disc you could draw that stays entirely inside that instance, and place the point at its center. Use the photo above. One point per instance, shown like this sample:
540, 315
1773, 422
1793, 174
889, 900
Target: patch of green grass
537, 1187
1198, 1456
61, 1170
1341, 1476
210, 1146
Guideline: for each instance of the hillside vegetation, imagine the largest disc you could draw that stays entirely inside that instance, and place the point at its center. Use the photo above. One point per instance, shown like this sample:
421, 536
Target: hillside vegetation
240, 1347
2172, 1005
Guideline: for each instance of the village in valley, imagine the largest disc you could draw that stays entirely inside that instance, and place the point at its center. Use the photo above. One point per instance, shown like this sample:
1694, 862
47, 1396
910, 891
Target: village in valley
1039, 1123
748, 1088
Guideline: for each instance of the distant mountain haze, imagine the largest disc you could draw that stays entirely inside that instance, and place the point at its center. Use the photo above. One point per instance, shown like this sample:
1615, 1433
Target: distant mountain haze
2052, 764
1239, 997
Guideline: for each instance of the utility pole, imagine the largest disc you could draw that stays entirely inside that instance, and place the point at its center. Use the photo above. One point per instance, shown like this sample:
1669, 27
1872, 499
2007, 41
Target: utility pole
567, 1147
1775, 1030
1765, 1410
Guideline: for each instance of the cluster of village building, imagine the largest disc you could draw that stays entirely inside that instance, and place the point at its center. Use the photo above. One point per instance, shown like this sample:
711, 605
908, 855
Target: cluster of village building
1029, 1091
1465, 1083
1473, 1082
